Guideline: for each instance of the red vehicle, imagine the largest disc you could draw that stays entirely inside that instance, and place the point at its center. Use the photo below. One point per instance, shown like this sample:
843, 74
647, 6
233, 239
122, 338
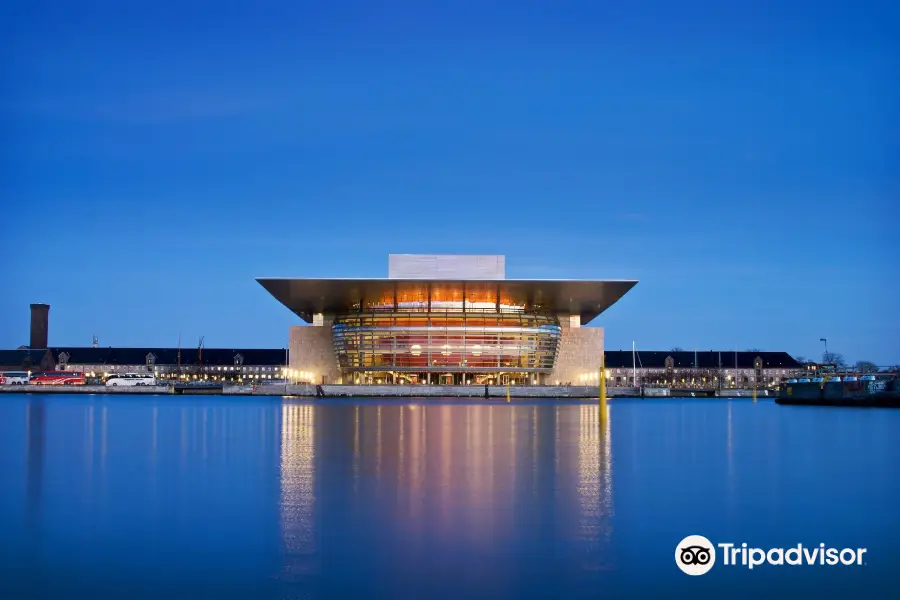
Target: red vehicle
57, 378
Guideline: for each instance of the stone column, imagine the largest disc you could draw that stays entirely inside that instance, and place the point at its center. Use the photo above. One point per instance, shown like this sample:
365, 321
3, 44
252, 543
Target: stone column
580, 351
312, 350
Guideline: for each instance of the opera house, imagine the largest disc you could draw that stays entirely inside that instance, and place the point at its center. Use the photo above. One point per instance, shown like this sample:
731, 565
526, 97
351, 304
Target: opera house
448, 320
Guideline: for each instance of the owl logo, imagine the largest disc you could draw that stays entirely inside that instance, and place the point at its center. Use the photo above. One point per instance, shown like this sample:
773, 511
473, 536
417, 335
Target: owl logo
695, 555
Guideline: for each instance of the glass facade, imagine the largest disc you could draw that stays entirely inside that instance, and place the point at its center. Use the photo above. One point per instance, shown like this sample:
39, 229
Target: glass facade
445, 332
477, 339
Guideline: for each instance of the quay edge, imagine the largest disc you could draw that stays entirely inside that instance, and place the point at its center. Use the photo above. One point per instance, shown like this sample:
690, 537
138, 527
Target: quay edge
374, 391
331, 391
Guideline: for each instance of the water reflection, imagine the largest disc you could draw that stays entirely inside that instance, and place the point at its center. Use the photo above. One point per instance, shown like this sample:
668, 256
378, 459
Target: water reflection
298, 498
258, 498
730, 496
89, 448
595, 488
419, 485
34, 459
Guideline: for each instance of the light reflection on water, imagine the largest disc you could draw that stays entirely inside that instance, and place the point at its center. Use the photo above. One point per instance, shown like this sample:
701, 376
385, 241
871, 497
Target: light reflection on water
298, 496
262, 498
468, 489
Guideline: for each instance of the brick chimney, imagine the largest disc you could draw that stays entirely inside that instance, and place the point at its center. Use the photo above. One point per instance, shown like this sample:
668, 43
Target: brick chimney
40, 324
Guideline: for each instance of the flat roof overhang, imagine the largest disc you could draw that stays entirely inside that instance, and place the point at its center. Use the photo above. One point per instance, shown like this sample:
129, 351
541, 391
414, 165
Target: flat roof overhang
306, 297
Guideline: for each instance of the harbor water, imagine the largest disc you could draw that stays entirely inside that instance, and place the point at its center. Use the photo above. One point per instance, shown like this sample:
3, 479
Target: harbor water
194, 497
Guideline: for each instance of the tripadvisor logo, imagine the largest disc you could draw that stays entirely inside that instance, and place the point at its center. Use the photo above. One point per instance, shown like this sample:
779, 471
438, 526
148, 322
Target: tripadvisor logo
696, 555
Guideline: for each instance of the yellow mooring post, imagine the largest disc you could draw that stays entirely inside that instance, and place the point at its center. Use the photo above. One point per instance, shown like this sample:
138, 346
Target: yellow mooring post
754, 391
602, 391
507, 392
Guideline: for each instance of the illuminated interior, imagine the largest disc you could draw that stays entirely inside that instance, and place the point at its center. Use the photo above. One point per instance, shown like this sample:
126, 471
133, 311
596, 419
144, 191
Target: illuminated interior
457, 331
445, 333
478, 342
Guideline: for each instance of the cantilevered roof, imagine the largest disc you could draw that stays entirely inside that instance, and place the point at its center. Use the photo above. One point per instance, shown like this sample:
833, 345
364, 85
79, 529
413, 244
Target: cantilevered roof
306, 297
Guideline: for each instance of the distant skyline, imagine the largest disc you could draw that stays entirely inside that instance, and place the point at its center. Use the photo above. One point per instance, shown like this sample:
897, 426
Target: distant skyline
742, 162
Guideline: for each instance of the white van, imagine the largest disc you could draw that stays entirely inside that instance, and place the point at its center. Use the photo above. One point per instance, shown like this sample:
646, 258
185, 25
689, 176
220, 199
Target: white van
130, 379
14, 378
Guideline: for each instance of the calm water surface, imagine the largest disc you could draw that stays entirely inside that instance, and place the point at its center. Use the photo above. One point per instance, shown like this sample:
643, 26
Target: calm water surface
171, 497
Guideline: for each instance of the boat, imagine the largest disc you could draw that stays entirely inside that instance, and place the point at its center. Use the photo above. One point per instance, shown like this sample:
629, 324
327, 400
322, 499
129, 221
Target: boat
866, 391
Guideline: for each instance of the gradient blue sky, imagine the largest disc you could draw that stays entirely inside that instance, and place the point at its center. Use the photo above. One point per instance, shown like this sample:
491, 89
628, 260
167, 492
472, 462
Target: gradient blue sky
740, 161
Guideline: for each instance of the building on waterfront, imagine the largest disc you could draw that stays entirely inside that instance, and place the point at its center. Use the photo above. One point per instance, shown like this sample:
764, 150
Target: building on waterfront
253, 365
672, 369
435, 319
248, 365
446, 319
708, 369
166, 364
675, 369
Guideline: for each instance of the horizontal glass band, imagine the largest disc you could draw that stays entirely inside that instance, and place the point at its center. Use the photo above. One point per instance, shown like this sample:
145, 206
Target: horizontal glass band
441, 342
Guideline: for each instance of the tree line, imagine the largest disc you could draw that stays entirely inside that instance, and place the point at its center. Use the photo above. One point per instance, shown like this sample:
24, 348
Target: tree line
837, 359
830, 358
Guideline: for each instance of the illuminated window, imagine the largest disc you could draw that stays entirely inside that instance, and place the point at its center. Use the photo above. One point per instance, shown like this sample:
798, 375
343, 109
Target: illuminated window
479, 341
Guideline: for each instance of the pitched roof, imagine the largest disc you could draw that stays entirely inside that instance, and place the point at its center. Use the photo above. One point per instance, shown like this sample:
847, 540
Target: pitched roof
169, 356
19, 358
707, 359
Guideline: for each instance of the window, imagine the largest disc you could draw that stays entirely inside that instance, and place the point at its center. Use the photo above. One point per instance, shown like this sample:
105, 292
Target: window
670, 364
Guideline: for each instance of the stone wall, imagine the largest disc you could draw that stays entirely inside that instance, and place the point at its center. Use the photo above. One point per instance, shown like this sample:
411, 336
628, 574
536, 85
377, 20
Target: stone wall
312, 351
86, 389
580, 349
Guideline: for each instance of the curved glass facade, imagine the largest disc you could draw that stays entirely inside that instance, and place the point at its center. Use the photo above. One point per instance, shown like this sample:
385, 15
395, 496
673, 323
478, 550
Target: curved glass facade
442, 340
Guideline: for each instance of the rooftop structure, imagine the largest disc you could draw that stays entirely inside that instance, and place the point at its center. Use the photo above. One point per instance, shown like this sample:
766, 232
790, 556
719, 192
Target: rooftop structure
40, 325
446, 319
438, 266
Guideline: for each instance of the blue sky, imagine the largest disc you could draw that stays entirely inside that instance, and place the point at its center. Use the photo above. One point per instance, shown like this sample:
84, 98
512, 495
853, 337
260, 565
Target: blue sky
741, 161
